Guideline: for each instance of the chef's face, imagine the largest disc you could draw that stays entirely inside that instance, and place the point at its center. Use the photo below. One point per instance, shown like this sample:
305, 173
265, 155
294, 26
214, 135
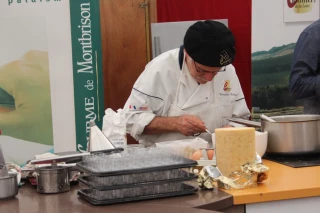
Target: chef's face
202, 73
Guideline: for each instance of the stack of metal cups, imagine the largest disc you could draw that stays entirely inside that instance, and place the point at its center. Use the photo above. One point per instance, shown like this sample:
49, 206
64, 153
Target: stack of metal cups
8, 182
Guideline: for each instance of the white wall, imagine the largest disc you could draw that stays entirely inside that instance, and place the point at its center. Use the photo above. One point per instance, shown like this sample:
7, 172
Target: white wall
268, 28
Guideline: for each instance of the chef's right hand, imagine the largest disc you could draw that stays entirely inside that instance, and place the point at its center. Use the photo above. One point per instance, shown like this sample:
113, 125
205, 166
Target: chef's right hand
190, 125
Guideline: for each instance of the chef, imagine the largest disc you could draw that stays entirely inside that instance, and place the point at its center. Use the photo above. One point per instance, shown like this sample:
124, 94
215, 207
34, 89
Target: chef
187, 90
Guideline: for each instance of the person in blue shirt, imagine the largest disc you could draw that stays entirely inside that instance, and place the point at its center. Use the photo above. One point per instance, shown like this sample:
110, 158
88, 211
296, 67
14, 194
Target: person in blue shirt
304, 80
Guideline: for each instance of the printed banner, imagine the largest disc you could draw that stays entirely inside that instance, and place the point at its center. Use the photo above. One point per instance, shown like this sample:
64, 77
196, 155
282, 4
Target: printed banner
300, 10
273, 43
87, 64
50, 76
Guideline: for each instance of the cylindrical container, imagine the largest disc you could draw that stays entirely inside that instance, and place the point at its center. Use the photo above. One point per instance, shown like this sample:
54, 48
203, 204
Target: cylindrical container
8, 186
3, 167
293, 134
73, 171
53, 179
290, 134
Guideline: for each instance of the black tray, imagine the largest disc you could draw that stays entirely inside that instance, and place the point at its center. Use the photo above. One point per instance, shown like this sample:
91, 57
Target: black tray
109, 151
187, 190
186, 177
295, 161
188, 163
74, 156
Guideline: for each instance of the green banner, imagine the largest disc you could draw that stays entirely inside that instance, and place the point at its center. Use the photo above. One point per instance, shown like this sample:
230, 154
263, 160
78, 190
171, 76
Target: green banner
87, 67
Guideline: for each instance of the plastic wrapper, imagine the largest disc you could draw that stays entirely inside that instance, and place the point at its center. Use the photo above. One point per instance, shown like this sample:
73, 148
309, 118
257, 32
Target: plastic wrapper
184, 148
249, 175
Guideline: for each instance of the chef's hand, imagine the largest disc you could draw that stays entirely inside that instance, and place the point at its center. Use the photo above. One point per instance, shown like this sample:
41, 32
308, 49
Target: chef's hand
190, 125
27, 81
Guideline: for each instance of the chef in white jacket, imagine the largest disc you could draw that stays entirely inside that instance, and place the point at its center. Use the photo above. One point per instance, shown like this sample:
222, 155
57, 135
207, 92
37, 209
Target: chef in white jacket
185, 91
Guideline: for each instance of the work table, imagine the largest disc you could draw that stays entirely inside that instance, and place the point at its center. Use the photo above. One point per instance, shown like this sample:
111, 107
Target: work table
283, 183
292, 189
29, 201
287, 189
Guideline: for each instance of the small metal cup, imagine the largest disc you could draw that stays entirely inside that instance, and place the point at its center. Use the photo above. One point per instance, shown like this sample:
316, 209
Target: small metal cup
8, 186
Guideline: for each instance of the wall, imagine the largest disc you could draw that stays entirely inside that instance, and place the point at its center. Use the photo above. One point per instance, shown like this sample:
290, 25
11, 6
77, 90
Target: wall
124, 47
238, 14
270, 70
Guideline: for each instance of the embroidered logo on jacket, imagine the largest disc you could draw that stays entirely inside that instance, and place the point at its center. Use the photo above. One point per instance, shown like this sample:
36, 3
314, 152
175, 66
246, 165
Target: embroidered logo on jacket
226, 86
225, 58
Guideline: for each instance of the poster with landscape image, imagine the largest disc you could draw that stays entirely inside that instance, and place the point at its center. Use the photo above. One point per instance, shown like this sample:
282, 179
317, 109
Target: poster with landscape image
273, 43
270, 82
50, 76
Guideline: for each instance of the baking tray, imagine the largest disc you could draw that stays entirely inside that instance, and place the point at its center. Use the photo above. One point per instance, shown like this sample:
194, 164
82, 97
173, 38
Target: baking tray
245, 122
81, 166
108, 151
183, 176
137, 191
85, 194
73, 156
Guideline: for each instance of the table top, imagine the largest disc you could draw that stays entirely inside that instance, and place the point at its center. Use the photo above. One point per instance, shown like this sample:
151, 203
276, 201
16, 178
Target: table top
284, 182
29, 201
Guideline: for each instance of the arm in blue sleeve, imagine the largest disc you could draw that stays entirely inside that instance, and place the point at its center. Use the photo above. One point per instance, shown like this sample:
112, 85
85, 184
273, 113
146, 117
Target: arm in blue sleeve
304, 77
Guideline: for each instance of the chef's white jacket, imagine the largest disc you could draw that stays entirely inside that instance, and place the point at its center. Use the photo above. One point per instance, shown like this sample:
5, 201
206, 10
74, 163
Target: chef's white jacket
156, 89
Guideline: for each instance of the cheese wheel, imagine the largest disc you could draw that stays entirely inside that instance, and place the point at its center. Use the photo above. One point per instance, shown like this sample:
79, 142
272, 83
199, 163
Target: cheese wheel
234, 148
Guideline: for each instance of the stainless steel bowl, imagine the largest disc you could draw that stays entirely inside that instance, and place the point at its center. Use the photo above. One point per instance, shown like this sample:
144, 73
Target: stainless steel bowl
289, 134
8, 186
293, 134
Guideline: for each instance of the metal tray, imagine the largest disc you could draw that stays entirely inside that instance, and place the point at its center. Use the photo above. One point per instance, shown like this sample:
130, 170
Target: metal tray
245, 122
90, 171
85, 194
108, 151
183, 176
73, 156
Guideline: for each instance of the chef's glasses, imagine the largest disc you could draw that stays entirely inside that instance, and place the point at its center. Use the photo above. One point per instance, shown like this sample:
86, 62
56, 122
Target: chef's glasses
204, 71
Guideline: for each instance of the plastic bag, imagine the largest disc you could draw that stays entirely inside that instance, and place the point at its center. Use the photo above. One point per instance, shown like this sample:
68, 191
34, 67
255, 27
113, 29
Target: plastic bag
114, 127
184, 147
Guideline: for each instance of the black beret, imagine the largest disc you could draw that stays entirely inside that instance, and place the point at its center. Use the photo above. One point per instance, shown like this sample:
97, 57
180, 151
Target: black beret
210, 43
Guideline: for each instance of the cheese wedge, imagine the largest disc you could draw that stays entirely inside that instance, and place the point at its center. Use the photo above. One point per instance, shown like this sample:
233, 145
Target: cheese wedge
234, 148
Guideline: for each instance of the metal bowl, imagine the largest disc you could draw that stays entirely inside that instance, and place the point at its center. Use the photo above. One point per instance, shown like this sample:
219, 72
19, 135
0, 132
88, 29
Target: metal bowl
8, 186
293, 134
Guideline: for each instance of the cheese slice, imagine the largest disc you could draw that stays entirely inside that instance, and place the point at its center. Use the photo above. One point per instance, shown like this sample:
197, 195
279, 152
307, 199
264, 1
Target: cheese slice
234, 148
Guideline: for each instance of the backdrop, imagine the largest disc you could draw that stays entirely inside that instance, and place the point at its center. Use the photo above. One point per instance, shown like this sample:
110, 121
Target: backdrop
238, 14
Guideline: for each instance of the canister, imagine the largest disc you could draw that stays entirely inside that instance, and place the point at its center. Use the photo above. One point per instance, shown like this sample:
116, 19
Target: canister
53, 179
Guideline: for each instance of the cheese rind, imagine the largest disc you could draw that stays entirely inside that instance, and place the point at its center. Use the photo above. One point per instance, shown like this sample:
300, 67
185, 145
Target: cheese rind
234, 148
